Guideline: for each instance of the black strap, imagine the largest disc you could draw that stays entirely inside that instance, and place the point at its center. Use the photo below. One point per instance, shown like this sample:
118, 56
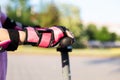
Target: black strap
11, 24
14, 37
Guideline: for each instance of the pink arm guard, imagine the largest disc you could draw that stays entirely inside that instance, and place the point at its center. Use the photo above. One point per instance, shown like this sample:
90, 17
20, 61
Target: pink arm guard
43, 37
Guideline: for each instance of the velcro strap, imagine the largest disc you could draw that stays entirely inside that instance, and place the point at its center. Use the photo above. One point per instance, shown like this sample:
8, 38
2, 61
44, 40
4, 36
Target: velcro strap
14, 37
9, 24
46, 37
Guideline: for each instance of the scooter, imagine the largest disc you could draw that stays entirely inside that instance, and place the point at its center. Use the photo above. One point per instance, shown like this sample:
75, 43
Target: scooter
64, 48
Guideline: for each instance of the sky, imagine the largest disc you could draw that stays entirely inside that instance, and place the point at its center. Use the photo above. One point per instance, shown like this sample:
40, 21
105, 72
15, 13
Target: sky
97, 11
100, 11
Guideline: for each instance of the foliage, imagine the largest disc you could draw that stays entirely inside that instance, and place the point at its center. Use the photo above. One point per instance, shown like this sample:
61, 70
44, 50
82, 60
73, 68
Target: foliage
49, 17
20, 11
113, 36
91, 31
102, 35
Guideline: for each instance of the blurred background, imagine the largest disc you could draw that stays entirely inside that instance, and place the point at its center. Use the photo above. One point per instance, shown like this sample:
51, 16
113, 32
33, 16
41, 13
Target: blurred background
94, 23
96, 26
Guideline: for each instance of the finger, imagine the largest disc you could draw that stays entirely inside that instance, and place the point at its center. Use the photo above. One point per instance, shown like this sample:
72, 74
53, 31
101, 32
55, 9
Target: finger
69, 34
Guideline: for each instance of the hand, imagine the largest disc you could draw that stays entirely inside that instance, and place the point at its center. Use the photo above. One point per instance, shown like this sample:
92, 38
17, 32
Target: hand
65, 31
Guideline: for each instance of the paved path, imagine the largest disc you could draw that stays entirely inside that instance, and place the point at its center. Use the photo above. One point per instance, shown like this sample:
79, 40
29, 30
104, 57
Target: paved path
39, 67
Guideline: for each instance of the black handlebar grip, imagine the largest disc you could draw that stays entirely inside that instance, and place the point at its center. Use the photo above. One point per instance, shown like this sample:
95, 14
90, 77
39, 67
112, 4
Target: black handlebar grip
67, 41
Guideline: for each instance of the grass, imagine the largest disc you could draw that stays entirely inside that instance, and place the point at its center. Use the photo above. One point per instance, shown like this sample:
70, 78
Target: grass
111, 52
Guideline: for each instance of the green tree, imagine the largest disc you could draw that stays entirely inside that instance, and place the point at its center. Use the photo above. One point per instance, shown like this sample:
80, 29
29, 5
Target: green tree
118, 38
50, 16
21, 11
104, 34
91, 31
113, 36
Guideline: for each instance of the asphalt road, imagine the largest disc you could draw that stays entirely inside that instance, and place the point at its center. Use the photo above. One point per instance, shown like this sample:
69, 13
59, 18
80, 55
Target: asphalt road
42, 67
